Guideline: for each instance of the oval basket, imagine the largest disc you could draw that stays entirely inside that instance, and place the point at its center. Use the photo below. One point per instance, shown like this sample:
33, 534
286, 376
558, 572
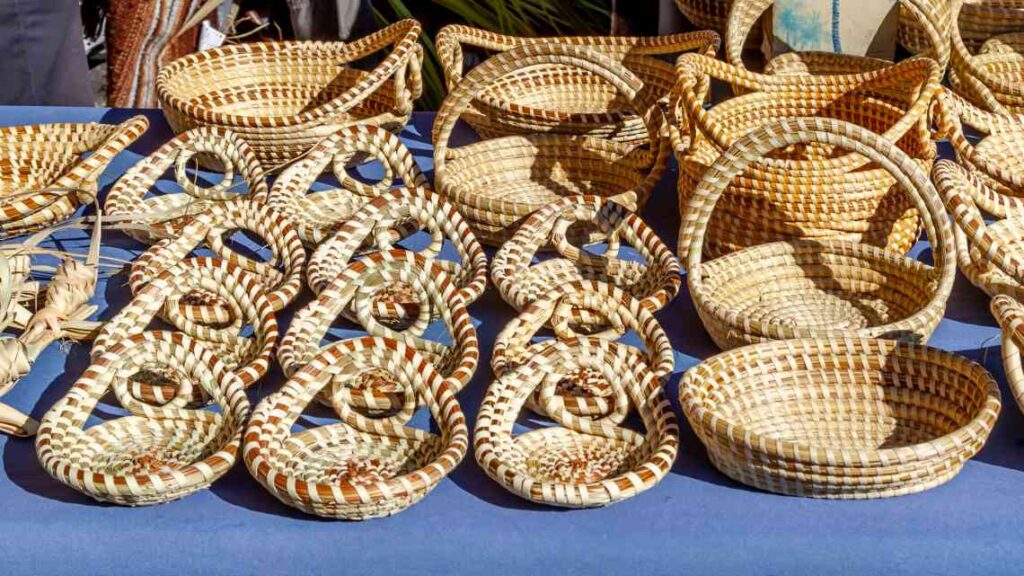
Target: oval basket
157, 453
498, 182
284, 97
812, 288
581, 462
987, 70
361, 467
48, 170
561, 98
840, 418
809, 191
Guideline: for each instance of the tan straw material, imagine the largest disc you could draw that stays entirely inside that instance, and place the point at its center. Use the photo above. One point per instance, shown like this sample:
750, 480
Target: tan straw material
714, 15
1010, 314
987, 65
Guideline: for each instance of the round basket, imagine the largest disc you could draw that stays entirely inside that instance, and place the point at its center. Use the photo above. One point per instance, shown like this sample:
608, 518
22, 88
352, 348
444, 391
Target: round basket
357, 287
584, 392
818, 288
319, 214
157, 453
809, 191
498, 182
247, 356
48, 170
582, 462
284, 97
561, 98
840, 418
1010, 315
634, 258
138, 199
987, 65
361, 467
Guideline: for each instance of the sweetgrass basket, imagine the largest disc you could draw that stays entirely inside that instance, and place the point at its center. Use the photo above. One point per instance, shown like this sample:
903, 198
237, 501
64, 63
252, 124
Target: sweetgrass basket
582, 461
284, 97
497, 182
840, 417
713, 15
561, 98
1009, 312
362, 467
140, 198
317, 215
987, 64
634, 258
156, 453
979, 20
48, 170
818, 288
810, 191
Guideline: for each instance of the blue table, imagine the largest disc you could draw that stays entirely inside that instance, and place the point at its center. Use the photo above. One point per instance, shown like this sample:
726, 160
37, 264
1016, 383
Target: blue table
696, 521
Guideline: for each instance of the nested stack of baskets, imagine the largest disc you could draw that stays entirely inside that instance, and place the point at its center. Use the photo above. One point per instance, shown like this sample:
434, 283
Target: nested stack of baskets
987, 58
810, 191
284, 97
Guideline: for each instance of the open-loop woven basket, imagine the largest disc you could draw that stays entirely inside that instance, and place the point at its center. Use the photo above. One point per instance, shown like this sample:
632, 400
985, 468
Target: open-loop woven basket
159, 211
281, 273
585, 392
393, 217
818, 288
1010, 314
244, 342
558, 98
362, 467
48, 170
991, 255
813, 190
356, 288
156, 453
713, 15
318, 214
840, 418
634, 258
987, 67
582, 461
284, 97
498, 182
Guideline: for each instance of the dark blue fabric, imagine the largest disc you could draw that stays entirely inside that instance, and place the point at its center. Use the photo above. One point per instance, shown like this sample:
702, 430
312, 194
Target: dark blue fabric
43, 60
695, 522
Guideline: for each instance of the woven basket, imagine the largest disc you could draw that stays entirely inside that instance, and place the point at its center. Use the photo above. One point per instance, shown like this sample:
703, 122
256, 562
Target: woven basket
650, 275
818, 288
157, 453
808, 191
713, 15
361, 467
584, 393
582, 462
162, 215
840, 418
1010, 315
988, 54
498, 182
356, 288
979, 21
284, 97
319, 214
48, 170
247, 356
562, 98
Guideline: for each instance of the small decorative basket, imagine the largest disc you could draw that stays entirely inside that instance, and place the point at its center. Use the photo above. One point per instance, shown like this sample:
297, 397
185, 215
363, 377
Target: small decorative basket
247, 356
48, 170
840, 418
357, 288
162, 215
498, 182
809, 191
987, 65
582, 462
557, 97
818, 288
284, 97
1010, 315
319, 214
635, 259
362, 467
584, 392
713, 15
158, 453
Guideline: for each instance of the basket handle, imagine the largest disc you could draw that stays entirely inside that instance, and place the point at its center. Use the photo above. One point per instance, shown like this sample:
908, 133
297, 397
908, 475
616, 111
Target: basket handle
951, 112
479, 78
1010, 315
791, 131
972, 76
89, 168
742, 17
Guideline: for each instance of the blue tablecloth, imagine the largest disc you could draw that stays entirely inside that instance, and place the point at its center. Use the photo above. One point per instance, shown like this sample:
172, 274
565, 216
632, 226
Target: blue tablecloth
696, 521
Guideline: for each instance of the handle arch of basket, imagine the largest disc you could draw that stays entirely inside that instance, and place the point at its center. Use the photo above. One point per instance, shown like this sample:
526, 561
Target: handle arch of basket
975, 77
751, 148
1010, 315
407, 209
917, 76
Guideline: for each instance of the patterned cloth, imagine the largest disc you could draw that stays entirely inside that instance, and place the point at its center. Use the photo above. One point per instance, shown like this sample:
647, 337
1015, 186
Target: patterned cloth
859, 27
